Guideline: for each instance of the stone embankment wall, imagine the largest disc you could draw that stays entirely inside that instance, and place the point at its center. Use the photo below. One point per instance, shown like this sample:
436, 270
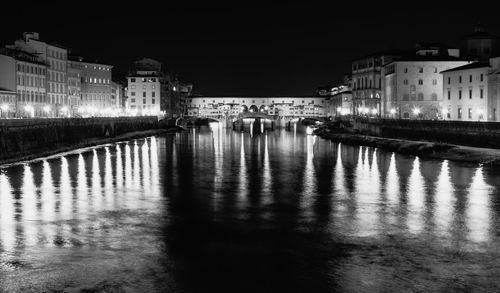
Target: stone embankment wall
24, 137
478, 134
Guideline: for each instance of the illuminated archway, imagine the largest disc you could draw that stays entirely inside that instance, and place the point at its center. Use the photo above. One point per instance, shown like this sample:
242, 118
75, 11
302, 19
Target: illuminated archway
244, 108
254, 109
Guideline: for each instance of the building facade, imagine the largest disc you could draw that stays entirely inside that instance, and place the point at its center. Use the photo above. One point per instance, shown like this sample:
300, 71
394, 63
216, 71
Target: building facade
413, 86
366, 79
465, 93
145, 87
8, 102
25, 73
74, 89
56, 57
339, 104
95, 83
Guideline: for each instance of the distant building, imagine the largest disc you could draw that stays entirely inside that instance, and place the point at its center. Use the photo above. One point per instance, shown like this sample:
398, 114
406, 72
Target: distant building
25, 74
118, 95
412, 85
56, 57
480, 45
494, 89
145, 86
95, 86
465, 92
367, 81
217, 107
339, 103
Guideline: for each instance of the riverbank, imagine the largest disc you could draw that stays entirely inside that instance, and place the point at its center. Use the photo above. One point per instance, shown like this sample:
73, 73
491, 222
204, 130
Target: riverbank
424, 149
85, 144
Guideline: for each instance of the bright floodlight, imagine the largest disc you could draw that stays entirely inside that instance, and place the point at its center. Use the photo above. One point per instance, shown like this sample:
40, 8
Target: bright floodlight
416, 111
393, 111
46, 109
5, 107
64, 109
339, 109
374, 111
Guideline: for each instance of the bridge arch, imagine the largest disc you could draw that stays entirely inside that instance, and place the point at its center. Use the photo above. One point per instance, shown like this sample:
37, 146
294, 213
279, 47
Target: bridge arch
254, 109
262, 109
244, 108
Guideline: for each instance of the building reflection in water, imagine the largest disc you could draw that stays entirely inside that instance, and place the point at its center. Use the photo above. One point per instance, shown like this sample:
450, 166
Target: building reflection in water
283, 183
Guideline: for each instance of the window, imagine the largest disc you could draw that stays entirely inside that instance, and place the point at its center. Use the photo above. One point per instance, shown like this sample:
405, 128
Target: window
153, 94
420, 96
420, 82
449, 80
470, 113
460, 79
132, 94
405, 82
470, 78
459, 94
152, 101
470, 94
481, 93
459, 113
421, 70
144, 101
448, 113
434, 82
435, 70
143, 94
132, 100
481, 77
449, 95
132, 80
406, 69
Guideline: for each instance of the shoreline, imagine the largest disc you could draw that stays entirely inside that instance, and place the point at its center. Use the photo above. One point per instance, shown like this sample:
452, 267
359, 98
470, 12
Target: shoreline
91, 142
423, 149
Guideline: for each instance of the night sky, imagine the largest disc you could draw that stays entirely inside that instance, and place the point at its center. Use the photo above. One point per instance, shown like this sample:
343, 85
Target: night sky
238, 49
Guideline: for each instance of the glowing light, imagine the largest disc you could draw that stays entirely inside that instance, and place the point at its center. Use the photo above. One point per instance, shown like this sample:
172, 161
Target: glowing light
374, 111
416, 111
339, 109
393, 111
46, 109
64, 109
4, 107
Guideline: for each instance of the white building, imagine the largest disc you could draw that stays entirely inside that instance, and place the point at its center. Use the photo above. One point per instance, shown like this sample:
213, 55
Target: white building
145, 86
56, 57
471, 91
413, 86
25, 74
8, 101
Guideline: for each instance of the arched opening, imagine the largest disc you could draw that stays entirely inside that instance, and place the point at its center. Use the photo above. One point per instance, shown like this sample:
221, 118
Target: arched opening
262, 109
244, 108
254, 109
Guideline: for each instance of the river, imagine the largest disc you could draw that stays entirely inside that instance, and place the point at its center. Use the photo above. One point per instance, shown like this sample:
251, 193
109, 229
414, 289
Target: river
213, 210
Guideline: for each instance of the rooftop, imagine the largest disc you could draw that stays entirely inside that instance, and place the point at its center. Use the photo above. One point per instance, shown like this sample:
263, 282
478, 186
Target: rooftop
469, 66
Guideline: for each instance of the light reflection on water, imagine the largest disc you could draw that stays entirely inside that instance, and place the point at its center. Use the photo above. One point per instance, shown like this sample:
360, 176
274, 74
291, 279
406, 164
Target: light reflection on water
182, 199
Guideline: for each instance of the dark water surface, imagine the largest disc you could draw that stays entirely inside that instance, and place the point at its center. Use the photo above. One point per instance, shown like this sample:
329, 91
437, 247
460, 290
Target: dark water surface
215, 210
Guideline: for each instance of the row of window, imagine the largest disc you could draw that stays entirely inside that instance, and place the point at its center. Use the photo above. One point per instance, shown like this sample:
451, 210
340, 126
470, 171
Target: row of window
56, 76
253, 101
57, 65
143, 87
421, 70
57, 88
96, 80
481, 94
420, 82
364, 83
153, 94
30, 80
469, 114
94, 97
153, 101
151, 79
56, 54
481, 78
30, 69
7, 99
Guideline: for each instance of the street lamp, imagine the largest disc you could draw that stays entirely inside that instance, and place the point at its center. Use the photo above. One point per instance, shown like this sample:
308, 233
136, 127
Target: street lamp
46, 109
30, 110
416, 111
